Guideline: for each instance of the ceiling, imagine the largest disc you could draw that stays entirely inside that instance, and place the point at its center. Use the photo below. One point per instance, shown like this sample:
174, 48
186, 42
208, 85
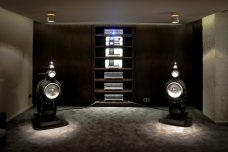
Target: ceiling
115, 11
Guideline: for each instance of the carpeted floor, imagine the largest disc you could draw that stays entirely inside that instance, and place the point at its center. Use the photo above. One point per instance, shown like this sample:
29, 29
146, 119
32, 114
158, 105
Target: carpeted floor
116, 129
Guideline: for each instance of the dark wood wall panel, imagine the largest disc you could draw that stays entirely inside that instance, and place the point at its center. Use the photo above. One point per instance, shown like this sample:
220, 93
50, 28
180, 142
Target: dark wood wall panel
195, 29
157, 47
70, 48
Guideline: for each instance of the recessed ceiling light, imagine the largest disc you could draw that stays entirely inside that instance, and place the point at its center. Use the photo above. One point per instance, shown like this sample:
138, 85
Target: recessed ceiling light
175, 18
50, 16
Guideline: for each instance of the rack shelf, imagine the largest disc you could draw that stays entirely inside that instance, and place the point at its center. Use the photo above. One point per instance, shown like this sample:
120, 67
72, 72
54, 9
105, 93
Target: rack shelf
113, 80
113, 91
123, 35
104, 46
113, 69
102, 58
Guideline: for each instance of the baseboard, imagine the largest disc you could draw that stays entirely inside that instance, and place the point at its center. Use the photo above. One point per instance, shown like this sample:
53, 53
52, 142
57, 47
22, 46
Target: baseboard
19, 112
115, 104
221, 122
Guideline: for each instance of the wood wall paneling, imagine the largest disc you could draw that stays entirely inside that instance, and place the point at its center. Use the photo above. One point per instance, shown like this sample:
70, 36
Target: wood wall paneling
156, 47
70, 49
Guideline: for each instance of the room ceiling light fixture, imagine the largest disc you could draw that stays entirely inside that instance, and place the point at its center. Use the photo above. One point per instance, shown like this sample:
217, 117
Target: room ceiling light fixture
50, 16
175, 18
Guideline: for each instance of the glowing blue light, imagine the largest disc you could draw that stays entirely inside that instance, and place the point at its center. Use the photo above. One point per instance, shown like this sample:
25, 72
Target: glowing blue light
113, 32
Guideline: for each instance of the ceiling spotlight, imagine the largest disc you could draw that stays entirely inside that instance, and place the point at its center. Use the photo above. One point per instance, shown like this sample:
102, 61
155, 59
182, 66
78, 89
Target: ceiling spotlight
50, 16
175, 18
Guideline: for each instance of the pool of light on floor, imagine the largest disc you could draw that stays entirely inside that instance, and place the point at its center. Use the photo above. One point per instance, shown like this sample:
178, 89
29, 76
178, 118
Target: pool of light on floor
170, 130
49, 135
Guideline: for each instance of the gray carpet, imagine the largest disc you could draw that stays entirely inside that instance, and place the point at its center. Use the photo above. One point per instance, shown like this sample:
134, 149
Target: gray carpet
116, 129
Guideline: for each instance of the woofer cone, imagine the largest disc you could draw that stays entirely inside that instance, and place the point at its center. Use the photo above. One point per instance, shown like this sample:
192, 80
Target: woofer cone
52, 90
174, 90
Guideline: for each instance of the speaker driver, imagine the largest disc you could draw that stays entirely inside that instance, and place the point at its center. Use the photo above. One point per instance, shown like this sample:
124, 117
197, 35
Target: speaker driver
174, 90
52, 91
